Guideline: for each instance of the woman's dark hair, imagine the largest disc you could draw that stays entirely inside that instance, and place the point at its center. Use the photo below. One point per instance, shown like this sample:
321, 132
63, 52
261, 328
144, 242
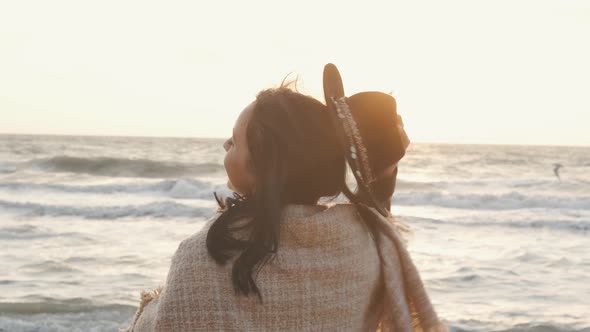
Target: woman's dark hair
296, 159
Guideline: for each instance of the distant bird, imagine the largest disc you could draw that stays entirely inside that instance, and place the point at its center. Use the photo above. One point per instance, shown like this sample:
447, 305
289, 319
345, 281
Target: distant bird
556, 168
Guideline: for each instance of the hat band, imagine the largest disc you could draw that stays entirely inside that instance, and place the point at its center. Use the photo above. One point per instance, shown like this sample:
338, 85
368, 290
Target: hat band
358, 152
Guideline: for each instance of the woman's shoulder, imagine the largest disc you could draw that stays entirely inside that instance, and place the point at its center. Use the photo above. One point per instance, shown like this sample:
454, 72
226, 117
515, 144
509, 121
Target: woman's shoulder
319, 211
316, 225
300, 222
191, 244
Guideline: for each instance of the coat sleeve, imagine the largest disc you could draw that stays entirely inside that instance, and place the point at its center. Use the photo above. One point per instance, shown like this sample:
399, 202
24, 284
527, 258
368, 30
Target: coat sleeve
144, 319
154, 306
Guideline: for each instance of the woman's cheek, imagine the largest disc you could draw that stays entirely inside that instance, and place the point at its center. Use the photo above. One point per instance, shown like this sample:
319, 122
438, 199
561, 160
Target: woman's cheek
232, 168
240, 177
227, 163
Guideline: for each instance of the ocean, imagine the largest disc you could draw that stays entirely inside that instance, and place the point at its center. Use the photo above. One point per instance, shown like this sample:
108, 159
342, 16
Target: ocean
86, 222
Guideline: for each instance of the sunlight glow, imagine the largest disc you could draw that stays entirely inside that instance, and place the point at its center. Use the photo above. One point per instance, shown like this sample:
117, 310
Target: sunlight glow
505, 72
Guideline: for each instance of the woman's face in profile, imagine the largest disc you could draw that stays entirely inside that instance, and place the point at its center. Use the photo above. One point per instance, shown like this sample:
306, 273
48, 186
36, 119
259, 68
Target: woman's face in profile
237, 157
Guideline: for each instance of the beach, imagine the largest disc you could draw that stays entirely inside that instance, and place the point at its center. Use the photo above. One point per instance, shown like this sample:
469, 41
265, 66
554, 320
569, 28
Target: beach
501, 242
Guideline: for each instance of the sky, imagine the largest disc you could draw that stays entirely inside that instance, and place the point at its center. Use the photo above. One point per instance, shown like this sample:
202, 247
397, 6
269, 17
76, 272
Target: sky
473, 71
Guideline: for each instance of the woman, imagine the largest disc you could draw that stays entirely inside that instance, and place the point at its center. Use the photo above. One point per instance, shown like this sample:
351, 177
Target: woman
273, 259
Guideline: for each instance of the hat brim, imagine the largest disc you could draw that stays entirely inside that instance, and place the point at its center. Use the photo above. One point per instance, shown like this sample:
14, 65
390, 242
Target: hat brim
333, 87
375, 114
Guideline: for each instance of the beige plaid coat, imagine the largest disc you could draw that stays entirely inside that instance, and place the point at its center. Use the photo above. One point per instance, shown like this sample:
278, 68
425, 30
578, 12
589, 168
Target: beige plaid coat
326, 276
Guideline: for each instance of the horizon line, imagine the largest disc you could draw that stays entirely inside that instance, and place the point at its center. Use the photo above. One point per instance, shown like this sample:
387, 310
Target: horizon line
220, 138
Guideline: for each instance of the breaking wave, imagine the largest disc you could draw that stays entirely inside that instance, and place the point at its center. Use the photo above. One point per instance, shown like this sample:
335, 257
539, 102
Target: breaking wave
123, 167
160, 209
508, 201
177, 188
577, 226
